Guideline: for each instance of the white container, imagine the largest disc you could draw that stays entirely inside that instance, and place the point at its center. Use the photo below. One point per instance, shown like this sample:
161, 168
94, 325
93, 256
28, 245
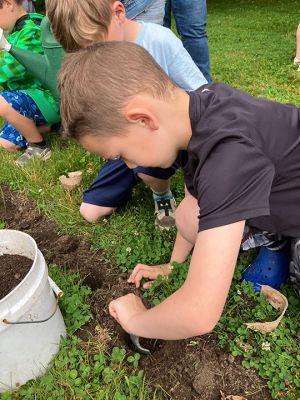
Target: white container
26, 349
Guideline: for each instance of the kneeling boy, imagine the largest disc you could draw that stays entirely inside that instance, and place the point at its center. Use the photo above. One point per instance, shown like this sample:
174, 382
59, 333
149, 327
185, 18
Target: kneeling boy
240, 156
78, 24
25, 104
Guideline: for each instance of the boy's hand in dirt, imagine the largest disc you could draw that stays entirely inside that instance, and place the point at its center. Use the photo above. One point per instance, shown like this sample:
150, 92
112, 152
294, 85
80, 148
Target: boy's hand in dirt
148, 271
125, 308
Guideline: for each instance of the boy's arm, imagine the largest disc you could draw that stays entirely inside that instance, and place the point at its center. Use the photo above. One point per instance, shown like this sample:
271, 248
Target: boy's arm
196, 307
181, 250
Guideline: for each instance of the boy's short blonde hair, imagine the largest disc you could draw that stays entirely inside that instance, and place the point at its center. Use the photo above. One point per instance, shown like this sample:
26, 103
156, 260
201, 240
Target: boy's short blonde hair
79, 23
97, 82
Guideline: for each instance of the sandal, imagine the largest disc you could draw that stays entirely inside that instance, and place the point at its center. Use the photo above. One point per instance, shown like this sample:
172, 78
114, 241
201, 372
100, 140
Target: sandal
269, 268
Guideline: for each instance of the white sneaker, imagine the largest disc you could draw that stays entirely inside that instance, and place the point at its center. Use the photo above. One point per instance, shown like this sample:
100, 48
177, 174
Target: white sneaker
32, 150
165, 207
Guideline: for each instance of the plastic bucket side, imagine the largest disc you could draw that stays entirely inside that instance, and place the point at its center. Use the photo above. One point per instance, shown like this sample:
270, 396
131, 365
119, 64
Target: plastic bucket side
26, 349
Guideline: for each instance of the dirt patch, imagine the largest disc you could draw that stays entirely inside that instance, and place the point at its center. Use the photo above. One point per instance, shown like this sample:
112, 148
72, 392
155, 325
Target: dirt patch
194, 369
13, 269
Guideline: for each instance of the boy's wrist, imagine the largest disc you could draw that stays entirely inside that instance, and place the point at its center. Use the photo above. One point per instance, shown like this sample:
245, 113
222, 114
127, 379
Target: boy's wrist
166, 268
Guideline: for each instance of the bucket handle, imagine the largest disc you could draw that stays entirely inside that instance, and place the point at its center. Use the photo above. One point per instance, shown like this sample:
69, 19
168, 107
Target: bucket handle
58, 294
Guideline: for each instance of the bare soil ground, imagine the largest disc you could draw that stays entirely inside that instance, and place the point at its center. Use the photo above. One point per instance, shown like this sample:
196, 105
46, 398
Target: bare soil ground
187, 369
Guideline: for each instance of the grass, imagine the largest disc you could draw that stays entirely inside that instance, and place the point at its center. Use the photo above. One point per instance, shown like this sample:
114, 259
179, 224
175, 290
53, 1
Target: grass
252, 45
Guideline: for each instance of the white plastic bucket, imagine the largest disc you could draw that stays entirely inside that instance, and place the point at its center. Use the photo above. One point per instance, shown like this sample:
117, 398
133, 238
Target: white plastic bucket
26, 349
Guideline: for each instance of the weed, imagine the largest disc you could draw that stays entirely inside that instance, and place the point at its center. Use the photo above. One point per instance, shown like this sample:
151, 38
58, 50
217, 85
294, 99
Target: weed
76, 375
73, 304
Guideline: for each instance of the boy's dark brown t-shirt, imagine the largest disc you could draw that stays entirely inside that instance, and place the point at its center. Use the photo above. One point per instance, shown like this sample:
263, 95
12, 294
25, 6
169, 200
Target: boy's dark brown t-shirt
243, 160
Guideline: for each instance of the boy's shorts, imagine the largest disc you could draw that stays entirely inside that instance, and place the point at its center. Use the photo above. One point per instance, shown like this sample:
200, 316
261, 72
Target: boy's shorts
115, 181
24, 105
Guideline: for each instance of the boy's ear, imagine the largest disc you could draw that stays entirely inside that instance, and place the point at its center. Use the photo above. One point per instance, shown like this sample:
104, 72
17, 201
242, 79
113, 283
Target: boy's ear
9, 3
143, 117
118, 10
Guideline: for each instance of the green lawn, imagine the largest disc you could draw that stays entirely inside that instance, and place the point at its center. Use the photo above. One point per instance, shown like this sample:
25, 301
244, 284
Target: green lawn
252, 46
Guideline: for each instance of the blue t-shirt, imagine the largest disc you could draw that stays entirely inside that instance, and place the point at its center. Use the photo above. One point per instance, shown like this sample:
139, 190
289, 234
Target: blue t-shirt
169, 53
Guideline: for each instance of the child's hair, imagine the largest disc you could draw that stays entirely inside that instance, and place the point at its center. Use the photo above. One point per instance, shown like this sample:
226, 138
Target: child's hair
77, 23
96, 83
16, 1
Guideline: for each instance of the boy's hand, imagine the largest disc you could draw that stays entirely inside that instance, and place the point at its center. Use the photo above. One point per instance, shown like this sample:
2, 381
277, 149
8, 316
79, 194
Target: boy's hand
124, 308
147, 271
4, 45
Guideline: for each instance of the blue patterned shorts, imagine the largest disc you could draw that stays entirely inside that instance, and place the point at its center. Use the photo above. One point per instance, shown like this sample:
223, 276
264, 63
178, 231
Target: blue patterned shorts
24, 105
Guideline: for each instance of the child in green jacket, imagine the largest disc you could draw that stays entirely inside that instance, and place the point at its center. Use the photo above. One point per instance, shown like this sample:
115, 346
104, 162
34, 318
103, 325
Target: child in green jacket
25, 105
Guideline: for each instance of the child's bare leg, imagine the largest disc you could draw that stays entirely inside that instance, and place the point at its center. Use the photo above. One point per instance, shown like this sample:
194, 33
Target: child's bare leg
298, 43
44, 129
24, 125
157, 185
163, 199
18, 110
7, 145
93, 213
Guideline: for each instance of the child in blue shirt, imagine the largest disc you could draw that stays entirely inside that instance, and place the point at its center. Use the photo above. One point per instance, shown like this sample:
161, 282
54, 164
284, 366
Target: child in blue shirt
72, 24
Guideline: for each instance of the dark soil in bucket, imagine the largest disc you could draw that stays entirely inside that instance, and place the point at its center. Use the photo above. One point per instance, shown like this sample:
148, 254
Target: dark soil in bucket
13, 269
194, 369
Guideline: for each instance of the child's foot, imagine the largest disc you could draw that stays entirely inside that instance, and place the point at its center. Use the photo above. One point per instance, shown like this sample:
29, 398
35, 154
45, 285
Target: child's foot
297, 62
165, 206
33, 150
271, 267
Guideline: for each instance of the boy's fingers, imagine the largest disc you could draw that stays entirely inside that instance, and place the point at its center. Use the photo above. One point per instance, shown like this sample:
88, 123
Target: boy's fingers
147, 285
139, 276
112, 310
148, 273
135, 271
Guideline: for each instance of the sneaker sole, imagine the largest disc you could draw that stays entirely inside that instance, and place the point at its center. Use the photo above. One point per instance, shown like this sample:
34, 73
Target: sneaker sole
169, 223
43, 158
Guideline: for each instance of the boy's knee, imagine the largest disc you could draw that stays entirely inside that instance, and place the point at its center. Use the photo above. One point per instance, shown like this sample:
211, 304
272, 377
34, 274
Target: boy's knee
93, 213
5, 108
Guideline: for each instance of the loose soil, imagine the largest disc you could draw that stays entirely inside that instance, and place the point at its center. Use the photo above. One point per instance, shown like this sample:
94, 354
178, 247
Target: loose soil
187, 369
13, 269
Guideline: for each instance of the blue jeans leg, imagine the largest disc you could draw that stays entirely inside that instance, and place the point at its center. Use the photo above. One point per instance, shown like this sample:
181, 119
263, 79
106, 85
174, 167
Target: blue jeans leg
190, 18
167, 18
